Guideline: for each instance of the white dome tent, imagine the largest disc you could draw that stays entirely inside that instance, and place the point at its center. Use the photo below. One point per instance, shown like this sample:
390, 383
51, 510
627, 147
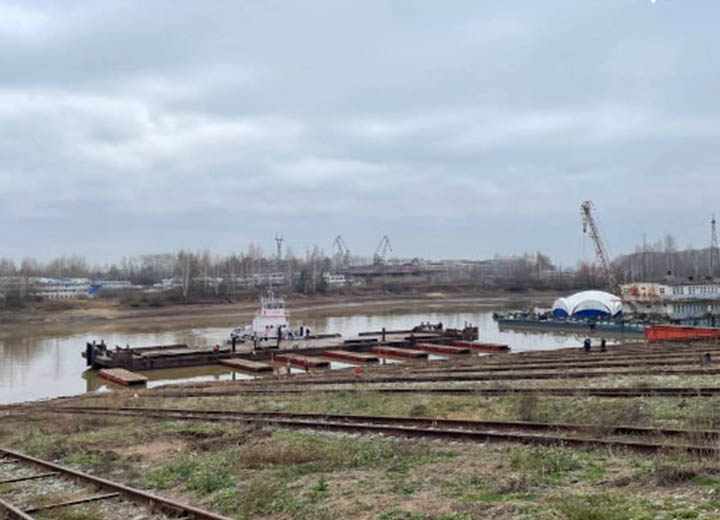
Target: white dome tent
588, 304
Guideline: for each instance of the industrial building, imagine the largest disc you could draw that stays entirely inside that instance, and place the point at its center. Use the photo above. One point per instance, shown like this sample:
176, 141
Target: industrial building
689, 303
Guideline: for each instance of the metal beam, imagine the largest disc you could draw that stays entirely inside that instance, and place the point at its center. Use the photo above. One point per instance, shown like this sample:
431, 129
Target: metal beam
12, 512
30, 477
72, 502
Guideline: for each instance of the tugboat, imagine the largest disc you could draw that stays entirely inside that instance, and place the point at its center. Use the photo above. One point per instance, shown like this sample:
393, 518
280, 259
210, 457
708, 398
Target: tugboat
269, 322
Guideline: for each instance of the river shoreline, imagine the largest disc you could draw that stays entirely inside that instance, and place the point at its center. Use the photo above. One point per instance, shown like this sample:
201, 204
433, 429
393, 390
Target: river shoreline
109, 313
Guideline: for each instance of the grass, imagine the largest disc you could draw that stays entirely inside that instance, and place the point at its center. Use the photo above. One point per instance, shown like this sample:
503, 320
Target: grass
542, 465
677, 467
309, 452
599, 507
202, 474
246, 472
46, 446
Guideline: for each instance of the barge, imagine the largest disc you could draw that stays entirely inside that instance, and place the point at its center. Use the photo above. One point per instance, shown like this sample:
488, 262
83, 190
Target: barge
589, 326
99, 355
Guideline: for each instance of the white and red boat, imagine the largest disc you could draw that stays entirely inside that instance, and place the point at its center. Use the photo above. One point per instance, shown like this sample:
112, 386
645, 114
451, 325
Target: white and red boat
269, 321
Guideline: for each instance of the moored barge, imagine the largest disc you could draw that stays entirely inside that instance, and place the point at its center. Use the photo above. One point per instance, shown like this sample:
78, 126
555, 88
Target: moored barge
99, 355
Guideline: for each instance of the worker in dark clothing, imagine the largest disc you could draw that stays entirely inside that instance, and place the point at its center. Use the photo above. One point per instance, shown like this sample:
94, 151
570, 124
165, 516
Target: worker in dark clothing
603, 345
587, 345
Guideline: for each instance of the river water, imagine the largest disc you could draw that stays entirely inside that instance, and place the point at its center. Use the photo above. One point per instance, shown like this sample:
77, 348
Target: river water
38, 366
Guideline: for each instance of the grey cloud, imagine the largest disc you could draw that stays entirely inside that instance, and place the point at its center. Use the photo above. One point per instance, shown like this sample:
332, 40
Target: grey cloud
466, 128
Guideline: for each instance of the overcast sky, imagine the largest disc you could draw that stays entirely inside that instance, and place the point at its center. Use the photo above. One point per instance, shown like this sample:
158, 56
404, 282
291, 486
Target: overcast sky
458, 128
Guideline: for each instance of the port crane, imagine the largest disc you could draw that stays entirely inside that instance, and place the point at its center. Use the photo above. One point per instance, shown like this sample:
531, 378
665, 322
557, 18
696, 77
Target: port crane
343, 253
382, 250
590, 227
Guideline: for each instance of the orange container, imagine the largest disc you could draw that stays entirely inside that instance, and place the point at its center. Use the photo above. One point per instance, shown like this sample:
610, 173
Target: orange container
679, 333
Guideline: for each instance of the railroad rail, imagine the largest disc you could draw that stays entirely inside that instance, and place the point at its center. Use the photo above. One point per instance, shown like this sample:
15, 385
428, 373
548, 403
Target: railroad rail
449, 429
558, 366
105, 490
620, 392
345, 379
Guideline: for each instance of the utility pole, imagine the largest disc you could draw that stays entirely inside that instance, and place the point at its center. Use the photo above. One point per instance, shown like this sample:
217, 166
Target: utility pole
714, 253
644, 260
279, 240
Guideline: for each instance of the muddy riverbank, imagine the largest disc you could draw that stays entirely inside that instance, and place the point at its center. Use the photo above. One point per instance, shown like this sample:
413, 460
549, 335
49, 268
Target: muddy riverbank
68, 317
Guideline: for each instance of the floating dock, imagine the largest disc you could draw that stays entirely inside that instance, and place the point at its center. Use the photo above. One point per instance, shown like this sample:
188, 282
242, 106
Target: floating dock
302, 361
352, 357
246, 365
399, 352
359, 350
441, 349
123, 377
149, 358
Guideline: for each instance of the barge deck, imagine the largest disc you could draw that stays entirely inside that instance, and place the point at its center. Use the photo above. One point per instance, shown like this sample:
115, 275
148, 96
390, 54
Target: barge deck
249, 357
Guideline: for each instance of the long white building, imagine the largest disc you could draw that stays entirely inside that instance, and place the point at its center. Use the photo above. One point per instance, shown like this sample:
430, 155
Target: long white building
686, 302
53, 289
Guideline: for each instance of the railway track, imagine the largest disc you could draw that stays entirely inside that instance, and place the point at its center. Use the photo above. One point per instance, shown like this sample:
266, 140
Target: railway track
556, 366
480, 392
448, 377
448, 429
28, 478
594, 356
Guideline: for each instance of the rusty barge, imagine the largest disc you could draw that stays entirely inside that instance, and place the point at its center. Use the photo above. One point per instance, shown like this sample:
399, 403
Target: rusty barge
101, 356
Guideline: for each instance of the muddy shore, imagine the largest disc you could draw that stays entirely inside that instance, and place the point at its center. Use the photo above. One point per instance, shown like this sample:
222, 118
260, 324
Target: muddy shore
52, 317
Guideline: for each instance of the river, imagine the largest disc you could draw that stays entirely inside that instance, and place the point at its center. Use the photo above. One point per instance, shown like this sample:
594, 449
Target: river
35, 365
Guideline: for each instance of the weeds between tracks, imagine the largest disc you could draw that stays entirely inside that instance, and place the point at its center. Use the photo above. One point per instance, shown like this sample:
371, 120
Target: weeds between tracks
259, 472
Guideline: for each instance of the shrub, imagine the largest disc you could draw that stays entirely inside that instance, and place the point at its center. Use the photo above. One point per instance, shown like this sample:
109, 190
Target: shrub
543, 463
594, 507
526, 407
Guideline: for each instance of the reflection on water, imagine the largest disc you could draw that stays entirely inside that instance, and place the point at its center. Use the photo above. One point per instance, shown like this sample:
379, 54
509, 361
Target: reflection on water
37, 367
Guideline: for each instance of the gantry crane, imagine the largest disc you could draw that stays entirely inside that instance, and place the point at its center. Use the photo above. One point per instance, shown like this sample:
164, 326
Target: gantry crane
590, 226
343, 253
382, 250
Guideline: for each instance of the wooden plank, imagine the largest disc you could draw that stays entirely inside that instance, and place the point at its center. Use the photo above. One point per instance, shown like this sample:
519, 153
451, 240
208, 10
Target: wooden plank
441, 349
122, 376
246, 364
399, 352
355, 357
302, 361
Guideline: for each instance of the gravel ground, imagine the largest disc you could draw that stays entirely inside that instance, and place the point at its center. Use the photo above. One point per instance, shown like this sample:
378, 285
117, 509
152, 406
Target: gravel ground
34, 493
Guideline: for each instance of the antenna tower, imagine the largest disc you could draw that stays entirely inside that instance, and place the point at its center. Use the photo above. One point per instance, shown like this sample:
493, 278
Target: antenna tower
279, 241
714, 252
